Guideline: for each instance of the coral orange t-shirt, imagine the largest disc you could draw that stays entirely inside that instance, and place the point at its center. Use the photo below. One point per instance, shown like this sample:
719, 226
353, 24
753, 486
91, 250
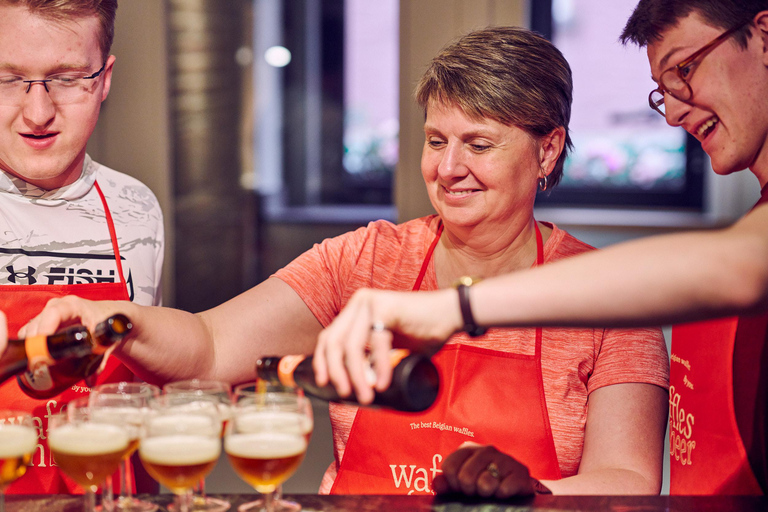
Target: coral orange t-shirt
575, 362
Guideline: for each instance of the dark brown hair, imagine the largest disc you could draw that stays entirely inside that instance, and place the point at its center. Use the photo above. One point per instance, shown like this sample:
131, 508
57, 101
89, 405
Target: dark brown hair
651, 18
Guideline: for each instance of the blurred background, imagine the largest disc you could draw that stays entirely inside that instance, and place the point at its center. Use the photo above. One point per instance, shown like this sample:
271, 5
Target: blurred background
265, 126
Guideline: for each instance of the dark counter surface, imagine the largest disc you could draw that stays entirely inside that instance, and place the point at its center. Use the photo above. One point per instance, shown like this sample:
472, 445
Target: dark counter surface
311, 502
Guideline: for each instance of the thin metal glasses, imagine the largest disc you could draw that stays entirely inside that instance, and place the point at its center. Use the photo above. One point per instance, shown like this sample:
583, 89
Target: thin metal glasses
674, 81
62, 89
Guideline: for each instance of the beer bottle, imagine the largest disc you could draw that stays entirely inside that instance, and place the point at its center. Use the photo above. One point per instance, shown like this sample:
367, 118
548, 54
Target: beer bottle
50, 364
414, 386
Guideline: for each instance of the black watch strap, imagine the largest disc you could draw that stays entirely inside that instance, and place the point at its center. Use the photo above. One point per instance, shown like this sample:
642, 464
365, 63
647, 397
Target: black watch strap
470, 327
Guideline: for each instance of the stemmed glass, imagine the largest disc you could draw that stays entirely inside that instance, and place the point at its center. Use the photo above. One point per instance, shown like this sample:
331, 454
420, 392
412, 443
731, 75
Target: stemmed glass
126, 402
181, 444
87, 449
267, 439
18, 439
220, 394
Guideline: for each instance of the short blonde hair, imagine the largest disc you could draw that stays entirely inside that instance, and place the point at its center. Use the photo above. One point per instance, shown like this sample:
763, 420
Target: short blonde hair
63, 10
508, 74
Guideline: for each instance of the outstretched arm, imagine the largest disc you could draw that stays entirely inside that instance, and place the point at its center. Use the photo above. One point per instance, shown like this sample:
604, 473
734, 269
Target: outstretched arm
647, 282
222, 343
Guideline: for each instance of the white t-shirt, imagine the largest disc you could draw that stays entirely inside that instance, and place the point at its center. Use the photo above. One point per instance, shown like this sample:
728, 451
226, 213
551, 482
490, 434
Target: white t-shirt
61, 236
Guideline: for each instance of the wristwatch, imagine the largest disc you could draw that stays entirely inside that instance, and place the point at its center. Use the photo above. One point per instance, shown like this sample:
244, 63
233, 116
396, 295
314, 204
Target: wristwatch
462, 287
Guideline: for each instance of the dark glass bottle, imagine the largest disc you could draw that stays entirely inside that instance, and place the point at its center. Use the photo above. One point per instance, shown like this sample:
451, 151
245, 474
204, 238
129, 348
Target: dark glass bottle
414, 386
60, 359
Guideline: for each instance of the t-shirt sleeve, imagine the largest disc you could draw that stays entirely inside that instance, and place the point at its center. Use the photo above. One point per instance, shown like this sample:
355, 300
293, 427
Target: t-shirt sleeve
319, 275
630, 355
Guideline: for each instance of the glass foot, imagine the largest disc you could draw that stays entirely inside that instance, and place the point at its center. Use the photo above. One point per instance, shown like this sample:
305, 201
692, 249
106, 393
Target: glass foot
132, 504
205, 504
279, 505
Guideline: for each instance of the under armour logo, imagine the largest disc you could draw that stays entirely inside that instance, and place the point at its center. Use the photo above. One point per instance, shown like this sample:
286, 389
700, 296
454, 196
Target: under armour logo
29, 275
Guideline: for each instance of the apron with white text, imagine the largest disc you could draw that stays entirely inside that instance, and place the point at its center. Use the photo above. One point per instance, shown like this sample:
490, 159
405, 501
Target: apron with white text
391, 452
706, 399
22, 302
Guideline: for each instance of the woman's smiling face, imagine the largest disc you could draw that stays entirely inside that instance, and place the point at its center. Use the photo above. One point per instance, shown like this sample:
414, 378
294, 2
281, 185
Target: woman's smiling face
477, 170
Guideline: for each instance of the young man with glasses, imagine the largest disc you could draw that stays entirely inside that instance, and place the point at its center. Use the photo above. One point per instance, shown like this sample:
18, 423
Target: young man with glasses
68, 225
710, 61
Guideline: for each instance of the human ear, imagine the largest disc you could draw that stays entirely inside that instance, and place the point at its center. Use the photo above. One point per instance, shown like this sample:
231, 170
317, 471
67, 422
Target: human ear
761, 22
550, 147
107, 77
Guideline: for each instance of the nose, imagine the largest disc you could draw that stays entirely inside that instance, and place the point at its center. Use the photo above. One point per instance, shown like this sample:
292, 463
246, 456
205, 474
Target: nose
37, 107
452, 163
675, 110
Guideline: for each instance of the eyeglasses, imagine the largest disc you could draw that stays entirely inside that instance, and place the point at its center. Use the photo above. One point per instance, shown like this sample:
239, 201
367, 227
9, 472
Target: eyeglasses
674, 81
62, 89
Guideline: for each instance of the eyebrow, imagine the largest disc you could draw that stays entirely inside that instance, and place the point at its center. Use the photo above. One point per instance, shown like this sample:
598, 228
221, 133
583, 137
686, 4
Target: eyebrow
62, 68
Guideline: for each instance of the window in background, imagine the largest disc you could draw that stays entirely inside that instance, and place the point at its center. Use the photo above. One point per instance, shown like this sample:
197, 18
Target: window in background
327, 107
625, 155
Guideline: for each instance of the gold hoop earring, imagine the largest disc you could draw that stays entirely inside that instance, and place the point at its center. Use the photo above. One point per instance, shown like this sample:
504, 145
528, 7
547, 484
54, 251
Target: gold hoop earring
543, 183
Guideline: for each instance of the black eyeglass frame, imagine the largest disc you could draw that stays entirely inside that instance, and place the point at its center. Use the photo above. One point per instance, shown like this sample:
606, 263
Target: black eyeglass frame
700, 53
46, 80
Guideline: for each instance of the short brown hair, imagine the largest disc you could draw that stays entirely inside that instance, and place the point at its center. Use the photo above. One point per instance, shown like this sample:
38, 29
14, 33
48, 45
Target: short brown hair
651, 18
508, 74
63, 10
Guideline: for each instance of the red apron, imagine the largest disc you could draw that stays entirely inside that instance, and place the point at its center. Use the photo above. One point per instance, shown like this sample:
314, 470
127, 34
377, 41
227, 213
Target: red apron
706, 400
391, 452
20, 303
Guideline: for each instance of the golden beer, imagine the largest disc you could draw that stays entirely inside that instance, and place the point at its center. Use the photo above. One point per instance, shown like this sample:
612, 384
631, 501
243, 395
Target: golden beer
88, 452
179, 461
265, 459
17, 442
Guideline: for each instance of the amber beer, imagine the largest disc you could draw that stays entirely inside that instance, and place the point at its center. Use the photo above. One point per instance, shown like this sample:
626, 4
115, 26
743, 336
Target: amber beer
88, 452
265, 459
17, 443
179, 461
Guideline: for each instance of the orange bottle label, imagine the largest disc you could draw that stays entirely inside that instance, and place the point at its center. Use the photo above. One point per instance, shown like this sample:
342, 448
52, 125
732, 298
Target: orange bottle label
37, 352
285, 369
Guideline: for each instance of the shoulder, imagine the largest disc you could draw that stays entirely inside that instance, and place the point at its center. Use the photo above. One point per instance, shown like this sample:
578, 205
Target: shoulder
115, 184
562, 244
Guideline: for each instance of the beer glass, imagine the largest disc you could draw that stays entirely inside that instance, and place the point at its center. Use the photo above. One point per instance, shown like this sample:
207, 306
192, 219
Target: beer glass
220, 394
181, 444
266, 440
126, 402
288, 399
87, 449
18, 439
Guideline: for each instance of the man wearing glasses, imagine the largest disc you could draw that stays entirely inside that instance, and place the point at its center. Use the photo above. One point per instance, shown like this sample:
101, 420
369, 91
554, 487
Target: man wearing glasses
710, 61
68, 225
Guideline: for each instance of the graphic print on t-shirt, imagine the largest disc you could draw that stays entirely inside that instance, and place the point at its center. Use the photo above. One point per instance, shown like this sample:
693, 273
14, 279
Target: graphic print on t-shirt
24, 267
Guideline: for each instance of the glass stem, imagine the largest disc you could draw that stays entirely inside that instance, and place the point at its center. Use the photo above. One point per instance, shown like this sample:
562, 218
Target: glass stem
108, 495
184, 501
2, 500
89, 500
201, 487
269, 502
125, 484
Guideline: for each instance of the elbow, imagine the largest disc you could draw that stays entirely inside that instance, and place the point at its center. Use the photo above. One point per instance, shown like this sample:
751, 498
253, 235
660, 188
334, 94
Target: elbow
744, 289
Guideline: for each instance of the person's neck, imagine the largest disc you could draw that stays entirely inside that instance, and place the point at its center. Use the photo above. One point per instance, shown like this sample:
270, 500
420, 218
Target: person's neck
466, 252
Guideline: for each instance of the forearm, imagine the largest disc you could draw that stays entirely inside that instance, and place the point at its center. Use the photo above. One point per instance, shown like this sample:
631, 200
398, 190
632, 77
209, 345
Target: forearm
168, 344
616, 481
652, 281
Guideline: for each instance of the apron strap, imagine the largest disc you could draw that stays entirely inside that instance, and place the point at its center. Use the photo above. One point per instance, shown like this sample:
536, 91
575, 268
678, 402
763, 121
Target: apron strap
112, 234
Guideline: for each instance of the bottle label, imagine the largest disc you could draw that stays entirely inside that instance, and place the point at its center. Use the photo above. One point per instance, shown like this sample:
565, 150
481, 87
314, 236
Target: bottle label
37, 352
285, 369
39, 378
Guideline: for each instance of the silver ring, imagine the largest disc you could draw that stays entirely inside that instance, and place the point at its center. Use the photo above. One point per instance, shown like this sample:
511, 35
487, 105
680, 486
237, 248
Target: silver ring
493, 469
378, 327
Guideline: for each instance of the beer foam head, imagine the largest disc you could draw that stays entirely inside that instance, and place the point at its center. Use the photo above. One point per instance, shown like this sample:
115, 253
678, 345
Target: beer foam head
179, 449
88, 439
273, 421
16, 440
265, 445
